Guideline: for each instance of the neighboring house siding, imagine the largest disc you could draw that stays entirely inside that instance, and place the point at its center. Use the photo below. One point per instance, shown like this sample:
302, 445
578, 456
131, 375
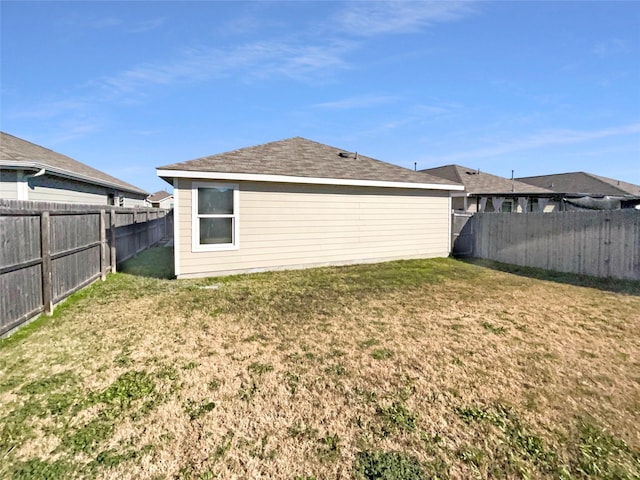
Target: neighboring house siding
164, 203
55, 189
457, 203
8, 184
131, 201
48, 188
296, 226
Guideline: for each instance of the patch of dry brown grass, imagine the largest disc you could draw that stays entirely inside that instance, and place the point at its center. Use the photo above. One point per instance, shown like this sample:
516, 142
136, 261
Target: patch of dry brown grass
471, 371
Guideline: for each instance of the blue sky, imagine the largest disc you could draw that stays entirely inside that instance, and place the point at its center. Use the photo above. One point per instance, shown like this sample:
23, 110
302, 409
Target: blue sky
535, 87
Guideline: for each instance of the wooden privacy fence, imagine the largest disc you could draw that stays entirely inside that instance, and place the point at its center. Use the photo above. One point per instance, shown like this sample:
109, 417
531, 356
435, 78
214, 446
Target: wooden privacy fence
596, 243
49, 251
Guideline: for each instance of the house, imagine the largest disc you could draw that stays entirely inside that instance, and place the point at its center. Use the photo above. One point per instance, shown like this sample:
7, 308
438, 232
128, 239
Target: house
484, 192
161, 199
31, 172
586, 190
296, 203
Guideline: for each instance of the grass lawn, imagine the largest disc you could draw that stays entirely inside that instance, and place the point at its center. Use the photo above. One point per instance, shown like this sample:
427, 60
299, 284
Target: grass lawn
412, 369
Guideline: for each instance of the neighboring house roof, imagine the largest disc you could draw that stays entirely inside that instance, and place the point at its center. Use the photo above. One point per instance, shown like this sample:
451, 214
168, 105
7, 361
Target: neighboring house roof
17, 153
583, 183
300, 160
477, 183
159, 196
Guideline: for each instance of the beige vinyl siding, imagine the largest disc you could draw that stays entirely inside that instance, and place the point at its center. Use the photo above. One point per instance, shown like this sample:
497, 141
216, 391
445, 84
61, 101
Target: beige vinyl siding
66, 191
8, 184
131, 201
56, 189
296, 226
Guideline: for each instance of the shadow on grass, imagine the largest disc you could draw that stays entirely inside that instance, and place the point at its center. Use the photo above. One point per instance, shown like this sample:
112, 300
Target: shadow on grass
154, 262
629, 287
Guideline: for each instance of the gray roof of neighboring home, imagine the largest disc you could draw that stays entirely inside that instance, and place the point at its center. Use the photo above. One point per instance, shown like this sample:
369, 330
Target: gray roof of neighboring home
583, 183
299, 157
477, 182
156, 197
17, 153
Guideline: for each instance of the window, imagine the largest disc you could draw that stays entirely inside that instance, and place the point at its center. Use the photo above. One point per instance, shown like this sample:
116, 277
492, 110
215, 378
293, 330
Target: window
507, 206
214, 217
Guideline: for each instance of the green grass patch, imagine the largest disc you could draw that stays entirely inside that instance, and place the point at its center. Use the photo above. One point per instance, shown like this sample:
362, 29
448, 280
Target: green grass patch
195, 410
494, 329
601, 455
260, 368
381, 354
154, 262
329, 447
129, 386
397, 415
380, 465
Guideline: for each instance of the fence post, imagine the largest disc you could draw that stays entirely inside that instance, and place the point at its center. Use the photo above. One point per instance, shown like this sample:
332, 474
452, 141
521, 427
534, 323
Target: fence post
103, 245
112, 222
45, 245
164, 223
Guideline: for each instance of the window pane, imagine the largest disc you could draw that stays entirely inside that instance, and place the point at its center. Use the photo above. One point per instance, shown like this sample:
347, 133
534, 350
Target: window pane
216, 230
215, 200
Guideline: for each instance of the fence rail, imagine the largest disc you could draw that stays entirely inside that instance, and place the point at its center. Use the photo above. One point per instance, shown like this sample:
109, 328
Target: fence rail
49, 251
596, 243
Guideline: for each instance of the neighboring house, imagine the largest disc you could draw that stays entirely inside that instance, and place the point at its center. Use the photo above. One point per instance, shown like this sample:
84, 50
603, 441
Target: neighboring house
484, 192
296, 203
586, 190
32, 172
161, 199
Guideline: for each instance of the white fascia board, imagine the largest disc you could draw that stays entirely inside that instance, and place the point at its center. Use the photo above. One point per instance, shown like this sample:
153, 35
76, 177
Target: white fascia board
252, 177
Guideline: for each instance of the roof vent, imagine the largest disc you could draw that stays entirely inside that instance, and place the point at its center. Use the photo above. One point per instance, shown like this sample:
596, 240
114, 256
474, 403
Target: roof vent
344, 154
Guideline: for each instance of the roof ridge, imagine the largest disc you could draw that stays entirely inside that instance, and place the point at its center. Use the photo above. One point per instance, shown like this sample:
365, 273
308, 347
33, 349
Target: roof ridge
611, 182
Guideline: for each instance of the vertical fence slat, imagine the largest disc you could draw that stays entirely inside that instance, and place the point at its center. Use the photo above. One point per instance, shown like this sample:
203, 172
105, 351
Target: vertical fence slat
103, 245
45, 242
112, 230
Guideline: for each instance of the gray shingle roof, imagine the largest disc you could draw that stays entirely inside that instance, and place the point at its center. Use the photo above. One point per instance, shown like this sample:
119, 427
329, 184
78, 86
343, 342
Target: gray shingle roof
583, 183
299, 157
476, 182
156, 197
18, 153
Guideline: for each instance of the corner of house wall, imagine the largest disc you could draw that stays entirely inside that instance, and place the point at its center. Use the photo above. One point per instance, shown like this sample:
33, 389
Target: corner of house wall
176, 228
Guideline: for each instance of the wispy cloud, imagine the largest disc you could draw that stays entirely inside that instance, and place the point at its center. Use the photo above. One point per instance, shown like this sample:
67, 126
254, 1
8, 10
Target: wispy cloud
436, 109
611, 47
309, 63
93, 22
75, 128
312, 64
540, 140
104, 22
47, 110
146, 26
89, 21
361, 101
372, 18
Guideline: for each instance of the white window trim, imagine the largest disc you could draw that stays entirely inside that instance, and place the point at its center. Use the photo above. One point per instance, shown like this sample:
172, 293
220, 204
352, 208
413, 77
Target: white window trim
195, 219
